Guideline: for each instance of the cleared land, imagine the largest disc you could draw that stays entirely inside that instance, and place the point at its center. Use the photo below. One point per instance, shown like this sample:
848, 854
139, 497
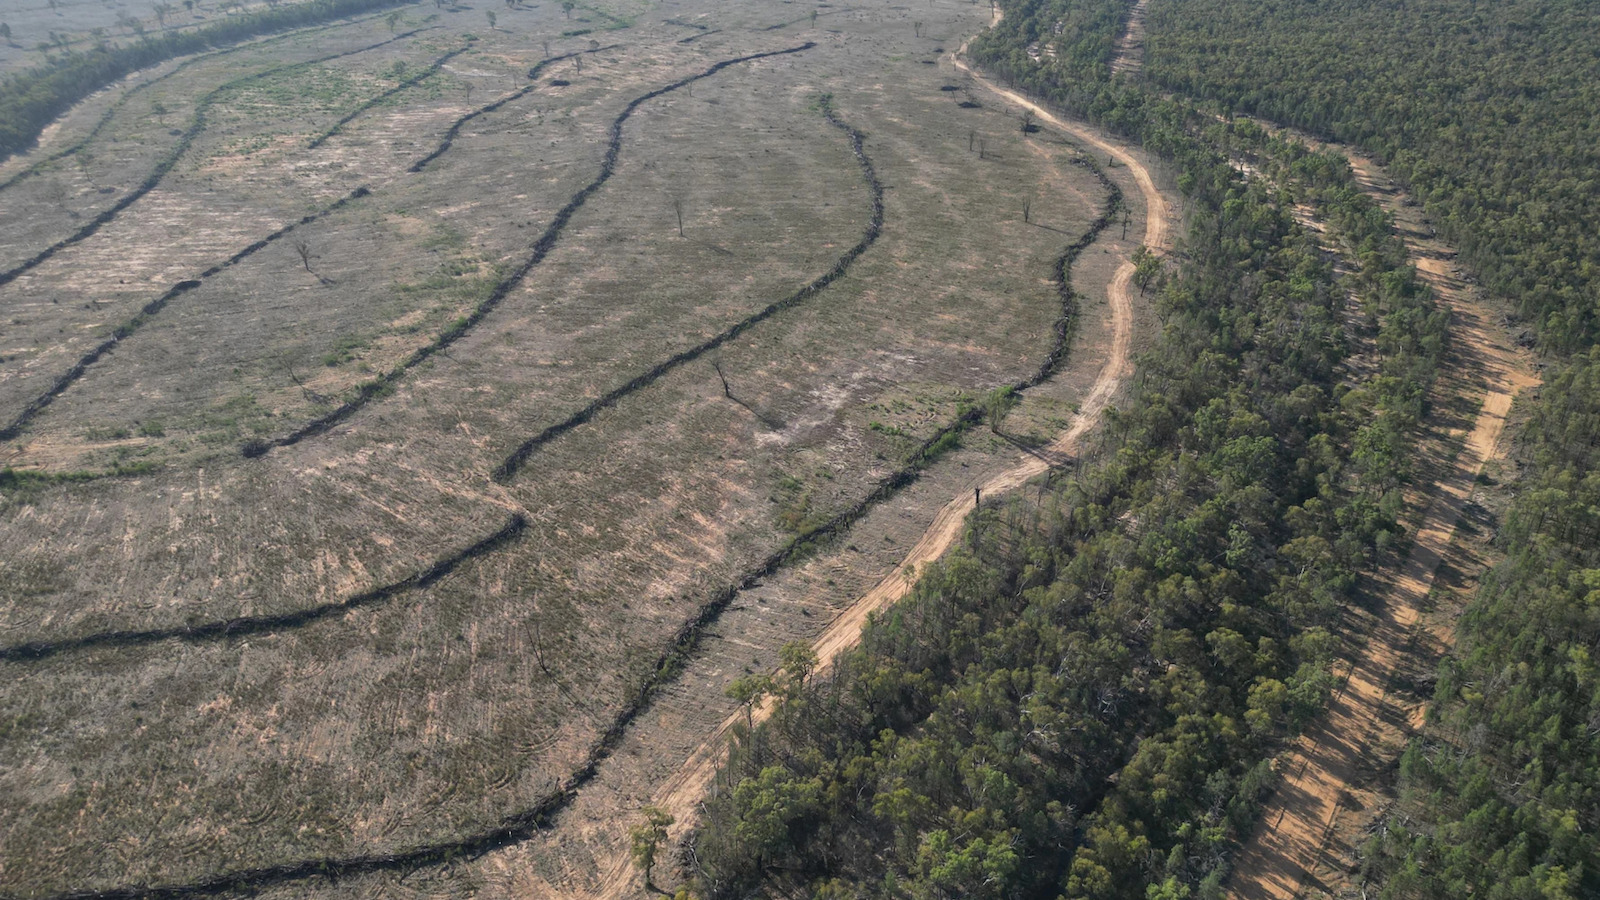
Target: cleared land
482, 641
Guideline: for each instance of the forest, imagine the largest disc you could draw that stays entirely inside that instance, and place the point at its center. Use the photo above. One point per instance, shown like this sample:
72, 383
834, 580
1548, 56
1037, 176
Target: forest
1493, 126
1079, 703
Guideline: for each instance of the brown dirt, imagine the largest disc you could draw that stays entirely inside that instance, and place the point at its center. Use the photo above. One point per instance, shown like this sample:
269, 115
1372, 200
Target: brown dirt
1330, 786
1129, 58
436, 714
681, 794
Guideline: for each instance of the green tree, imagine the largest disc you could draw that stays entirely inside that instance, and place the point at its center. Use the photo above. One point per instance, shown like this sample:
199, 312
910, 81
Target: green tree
646, 839
749, 690
998, 405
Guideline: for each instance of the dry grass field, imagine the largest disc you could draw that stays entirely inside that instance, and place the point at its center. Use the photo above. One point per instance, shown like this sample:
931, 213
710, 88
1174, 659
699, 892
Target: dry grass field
227, 669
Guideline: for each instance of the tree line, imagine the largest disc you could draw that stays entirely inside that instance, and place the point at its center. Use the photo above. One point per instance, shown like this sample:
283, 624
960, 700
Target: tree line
1485, 111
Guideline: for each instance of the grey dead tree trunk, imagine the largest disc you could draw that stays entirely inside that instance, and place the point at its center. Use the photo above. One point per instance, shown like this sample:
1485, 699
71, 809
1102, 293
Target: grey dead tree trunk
303, 248
727, 393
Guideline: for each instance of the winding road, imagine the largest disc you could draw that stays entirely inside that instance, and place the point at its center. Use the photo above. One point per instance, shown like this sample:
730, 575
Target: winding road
680, 795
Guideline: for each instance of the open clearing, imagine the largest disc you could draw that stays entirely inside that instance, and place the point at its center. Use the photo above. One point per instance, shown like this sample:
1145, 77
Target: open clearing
483, 641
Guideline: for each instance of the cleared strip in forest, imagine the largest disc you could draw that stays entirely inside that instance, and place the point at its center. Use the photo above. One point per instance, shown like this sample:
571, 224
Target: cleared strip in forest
16, 426
248, 625
379, 386
524, 824
197, 124
1334, 759
105, 118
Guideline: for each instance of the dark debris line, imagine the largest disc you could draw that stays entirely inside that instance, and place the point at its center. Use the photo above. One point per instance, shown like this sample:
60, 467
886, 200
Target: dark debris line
384, 383
15, 428
524, 824
247, 625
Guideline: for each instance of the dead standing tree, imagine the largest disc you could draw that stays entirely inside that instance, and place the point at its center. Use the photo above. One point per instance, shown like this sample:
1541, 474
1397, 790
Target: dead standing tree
727, 392
302, 248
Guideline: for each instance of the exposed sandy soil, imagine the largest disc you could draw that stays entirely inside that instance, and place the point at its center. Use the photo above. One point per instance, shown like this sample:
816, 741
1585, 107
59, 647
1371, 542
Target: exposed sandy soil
1130, 45
1332, 774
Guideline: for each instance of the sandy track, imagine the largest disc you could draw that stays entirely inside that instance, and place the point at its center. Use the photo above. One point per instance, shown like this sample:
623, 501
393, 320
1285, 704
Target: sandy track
1363, 727
680, 795
1129, 58
1328, 770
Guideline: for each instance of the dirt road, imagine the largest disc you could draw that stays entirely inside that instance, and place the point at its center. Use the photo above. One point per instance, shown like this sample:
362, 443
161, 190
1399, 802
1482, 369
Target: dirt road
681, 794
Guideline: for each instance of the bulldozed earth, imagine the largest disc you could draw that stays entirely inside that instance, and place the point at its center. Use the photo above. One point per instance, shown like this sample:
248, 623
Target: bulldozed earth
402, 419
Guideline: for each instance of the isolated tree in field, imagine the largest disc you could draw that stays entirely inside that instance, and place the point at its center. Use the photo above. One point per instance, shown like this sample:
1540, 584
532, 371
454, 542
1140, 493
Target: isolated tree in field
567, 6
302, 247
5, 33
917, 28
392, 19
188, 6
677, 210
998, 405
1027, 121
159, 109
1027, 207
813, 18
646, 839
489, 14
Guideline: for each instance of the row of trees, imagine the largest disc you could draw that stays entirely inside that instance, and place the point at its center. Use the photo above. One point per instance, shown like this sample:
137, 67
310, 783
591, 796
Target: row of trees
30, 100
1079, 702
1486, 111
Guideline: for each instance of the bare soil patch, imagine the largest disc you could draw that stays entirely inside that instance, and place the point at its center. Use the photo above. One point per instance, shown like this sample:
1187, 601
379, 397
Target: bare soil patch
447, 708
